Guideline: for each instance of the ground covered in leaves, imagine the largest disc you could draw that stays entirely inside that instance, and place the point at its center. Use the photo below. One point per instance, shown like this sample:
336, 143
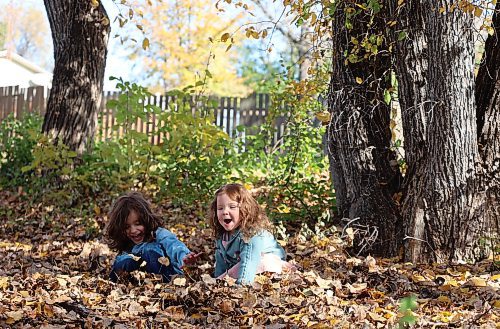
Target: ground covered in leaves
54, 275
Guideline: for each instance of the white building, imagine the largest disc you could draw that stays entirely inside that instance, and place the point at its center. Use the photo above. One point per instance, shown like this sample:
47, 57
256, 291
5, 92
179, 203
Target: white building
18, 71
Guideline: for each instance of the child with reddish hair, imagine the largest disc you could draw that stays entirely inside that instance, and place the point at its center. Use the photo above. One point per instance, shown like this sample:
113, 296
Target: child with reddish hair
244, 243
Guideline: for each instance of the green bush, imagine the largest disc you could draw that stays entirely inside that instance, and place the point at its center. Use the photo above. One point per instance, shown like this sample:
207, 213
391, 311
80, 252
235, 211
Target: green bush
17, 139
296, 169
192, 160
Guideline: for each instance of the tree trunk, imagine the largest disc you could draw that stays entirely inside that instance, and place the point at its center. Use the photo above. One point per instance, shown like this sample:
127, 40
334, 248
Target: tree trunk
412, 92
488, 121
358, 134
80, 34
443, 203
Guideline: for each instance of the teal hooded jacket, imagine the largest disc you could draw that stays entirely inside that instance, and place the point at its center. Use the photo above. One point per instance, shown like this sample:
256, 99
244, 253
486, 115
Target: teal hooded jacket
249, 254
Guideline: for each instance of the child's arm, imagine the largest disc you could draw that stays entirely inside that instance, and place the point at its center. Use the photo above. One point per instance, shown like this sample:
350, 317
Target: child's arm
175, 249
220, 264
251, 254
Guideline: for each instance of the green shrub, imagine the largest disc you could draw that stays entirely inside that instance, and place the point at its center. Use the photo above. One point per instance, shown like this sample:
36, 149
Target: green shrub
17, 139
193, 159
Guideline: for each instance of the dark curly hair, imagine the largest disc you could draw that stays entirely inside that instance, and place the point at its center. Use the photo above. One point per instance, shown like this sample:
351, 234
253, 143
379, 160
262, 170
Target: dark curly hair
115, 230
252, 217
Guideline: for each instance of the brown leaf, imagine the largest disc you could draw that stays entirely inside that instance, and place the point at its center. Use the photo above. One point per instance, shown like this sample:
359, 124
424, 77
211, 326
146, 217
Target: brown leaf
175, 312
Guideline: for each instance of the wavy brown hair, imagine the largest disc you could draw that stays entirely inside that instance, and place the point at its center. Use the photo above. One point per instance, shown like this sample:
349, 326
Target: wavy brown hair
115, 230
252, 217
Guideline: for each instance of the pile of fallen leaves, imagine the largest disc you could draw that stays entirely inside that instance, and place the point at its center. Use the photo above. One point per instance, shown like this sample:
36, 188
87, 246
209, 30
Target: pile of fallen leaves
54, 276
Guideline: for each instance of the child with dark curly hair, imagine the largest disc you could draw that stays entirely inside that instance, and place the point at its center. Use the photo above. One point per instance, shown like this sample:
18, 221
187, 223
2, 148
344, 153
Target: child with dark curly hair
244, 243
136, 232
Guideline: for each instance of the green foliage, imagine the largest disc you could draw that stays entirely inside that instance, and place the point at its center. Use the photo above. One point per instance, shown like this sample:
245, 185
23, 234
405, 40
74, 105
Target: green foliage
406, 306
295, 168
17, 139
193, 158
188, 164
51, 173
196, 154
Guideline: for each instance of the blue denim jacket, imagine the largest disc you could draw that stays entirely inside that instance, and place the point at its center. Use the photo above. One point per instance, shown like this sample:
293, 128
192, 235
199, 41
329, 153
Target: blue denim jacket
248, 253
165, 244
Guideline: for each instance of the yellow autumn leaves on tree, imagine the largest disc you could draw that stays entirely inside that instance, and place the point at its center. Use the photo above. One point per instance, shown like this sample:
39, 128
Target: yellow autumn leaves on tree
186, 46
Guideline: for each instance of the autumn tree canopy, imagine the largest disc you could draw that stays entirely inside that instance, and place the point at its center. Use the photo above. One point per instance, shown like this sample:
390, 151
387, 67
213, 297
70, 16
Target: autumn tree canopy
185, 47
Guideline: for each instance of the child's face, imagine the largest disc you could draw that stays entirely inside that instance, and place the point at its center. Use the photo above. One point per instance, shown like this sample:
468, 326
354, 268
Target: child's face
228, 213
134, 228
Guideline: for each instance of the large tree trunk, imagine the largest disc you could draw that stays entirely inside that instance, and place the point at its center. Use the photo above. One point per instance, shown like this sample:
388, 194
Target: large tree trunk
412, 92
488, 121
443, 203
359, 135
80, 34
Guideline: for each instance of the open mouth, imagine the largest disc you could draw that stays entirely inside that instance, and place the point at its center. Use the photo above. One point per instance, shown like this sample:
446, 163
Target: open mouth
136, 237
227, 220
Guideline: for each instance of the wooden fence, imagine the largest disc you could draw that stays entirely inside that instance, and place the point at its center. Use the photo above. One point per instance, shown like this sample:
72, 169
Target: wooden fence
229, 113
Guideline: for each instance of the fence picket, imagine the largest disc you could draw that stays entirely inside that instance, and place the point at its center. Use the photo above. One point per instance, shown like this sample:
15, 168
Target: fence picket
229, 113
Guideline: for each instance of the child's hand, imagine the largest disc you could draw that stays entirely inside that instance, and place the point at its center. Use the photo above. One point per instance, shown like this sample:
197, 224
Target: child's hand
191, 258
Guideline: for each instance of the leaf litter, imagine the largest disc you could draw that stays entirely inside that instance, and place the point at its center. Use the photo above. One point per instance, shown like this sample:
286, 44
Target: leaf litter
55, 276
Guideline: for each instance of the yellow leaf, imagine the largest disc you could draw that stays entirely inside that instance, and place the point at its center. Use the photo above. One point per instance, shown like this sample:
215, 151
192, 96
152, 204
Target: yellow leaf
94, 3
371, 263
97, 210
180, 282
400, 2
164, 261
356, 288
207, 278
13, 316
377, 317
229, 47
477, 282
495, 277
478, 11
418, 278
359, 80
224, 37
24, 293
145, 43
496, 303
444, 299
4, 282
322, 283
48, 310
323, 116
134, 257
314, 17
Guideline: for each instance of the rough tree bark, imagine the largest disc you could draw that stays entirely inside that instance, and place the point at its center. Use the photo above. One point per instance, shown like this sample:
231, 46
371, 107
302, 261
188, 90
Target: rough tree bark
80, 34
488, 121
451, 188
443, 202
412, 91
359, 135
